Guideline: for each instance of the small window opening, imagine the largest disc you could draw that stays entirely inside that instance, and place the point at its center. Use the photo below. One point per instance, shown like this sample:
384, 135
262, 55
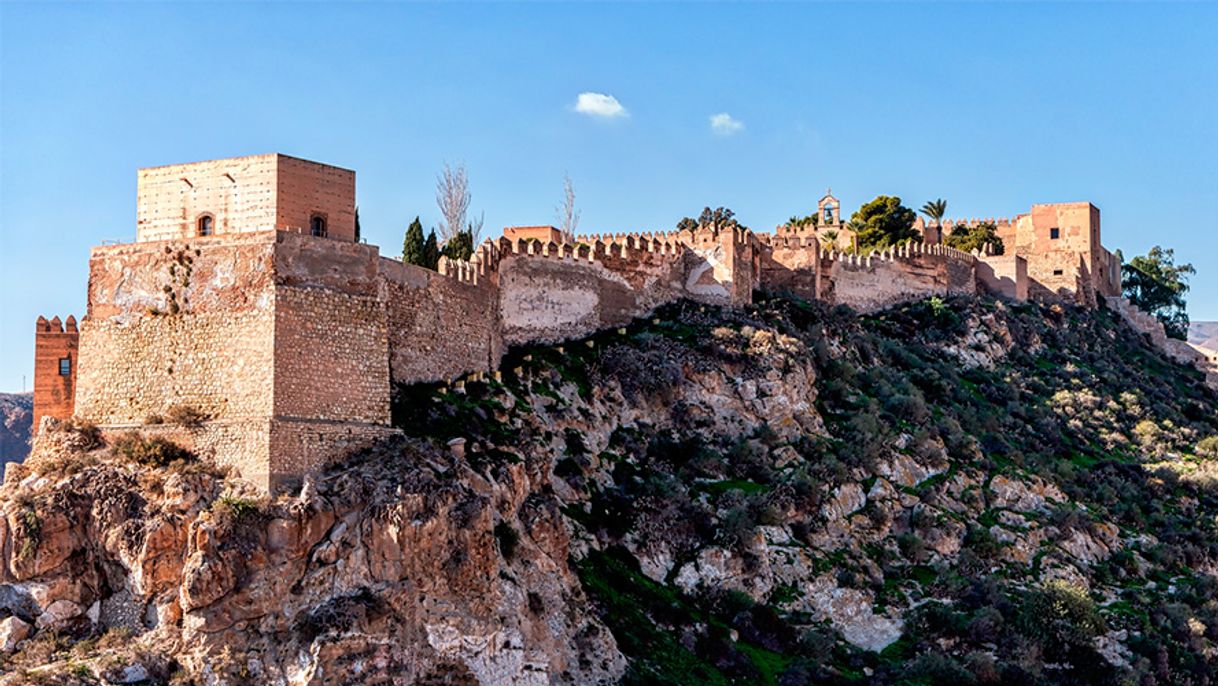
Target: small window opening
65, 366
317, 226
205, 225
1057, 272
1055, 233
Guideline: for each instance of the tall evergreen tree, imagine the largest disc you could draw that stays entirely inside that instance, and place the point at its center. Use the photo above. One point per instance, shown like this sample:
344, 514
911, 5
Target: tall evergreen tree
357, 229
412, 246
431, 251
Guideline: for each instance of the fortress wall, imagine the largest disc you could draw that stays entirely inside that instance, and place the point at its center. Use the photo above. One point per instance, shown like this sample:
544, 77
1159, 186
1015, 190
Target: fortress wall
719, 267
297, 447
1203, 359
240, 193
1005, 275
884, 279
226, 273
331, 341
438, 326
243, 444
331, 354
1108, 273
216, 354
551, 297
788, 264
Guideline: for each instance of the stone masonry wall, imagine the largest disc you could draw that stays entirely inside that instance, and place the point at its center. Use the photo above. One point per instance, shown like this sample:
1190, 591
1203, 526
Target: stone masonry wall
788, 264
573, 292
215, 353
439, 327
1005, 275
914, 271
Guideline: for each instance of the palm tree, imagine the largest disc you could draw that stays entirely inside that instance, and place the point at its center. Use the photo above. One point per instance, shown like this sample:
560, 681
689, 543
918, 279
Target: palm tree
936, 211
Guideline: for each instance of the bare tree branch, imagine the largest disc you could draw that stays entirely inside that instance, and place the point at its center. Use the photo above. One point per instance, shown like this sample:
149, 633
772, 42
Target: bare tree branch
568, 216
452, 197
475, 229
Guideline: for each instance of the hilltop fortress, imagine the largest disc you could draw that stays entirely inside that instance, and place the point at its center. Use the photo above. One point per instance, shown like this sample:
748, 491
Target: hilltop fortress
248, 301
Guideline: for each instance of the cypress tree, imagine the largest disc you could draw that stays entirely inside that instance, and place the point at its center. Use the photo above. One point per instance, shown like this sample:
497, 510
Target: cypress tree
431, 251
412, 247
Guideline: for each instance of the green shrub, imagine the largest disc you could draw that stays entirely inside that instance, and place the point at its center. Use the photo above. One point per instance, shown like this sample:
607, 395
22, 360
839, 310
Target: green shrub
153, 452
186, 415
1060, 615
1208, 447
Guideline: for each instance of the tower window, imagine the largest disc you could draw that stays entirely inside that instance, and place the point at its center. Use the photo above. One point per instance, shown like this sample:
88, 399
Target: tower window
1055, 233
205, 225
317, 226
65, 366
1057, 272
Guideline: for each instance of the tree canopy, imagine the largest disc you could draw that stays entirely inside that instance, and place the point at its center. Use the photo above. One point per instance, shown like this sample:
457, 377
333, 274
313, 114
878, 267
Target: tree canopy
719, 218
460, 246
974, 238
1156, 284
882, 223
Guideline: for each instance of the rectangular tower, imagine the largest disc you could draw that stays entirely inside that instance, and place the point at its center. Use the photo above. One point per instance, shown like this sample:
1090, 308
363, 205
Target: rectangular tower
243, 195
55, 361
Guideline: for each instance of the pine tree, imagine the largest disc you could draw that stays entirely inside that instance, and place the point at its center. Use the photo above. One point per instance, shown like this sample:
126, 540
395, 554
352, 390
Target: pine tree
412, 247
357, 229
431, 251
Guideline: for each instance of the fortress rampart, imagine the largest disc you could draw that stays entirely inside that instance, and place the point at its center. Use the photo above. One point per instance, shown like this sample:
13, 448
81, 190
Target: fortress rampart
287, 343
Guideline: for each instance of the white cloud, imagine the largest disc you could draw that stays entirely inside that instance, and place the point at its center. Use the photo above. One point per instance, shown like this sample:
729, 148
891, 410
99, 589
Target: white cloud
600, 105
724, 125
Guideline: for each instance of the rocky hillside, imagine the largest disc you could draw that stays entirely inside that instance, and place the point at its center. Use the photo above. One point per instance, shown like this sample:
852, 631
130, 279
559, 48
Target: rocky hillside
16, 414
958, 491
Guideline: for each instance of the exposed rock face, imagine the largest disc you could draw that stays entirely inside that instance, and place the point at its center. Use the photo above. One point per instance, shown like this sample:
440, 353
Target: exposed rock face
309, 592
732, 497
16, 415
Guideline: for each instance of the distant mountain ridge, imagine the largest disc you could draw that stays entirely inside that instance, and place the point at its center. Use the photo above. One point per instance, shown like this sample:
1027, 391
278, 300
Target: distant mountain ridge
16, 418
1204, 334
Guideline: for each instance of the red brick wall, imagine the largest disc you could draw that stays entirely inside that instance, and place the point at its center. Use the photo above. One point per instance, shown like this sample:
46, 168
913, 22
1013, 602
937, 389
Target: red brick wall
54, 393
307, 189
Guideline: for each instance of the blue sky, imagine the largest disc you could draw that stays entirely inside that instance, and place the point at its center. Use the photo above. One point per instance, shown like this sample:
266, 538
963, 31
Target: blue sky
991, 106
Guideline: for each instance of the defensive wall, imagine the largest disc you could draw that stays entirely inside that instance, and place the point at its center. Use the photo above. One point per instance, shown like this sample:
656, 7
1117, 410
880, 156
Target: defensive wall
287, 343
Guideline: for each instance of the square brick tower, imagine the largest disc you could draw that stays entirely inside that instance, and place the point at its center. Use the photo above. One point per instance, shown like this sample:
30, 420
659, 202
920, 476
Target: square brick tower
243, 195
55, 357
1061, 242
